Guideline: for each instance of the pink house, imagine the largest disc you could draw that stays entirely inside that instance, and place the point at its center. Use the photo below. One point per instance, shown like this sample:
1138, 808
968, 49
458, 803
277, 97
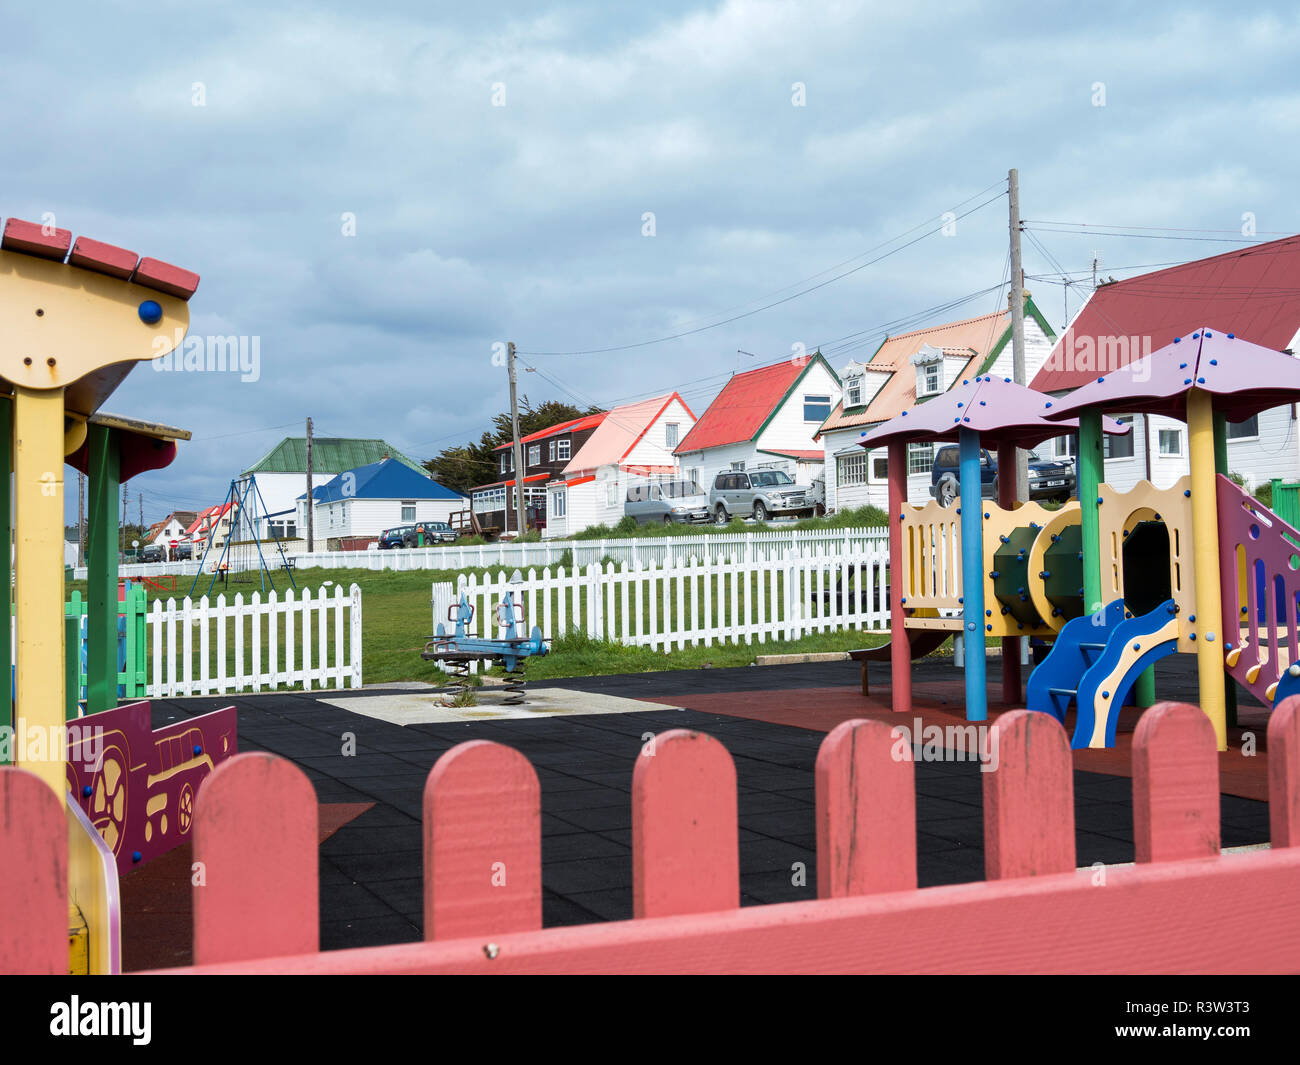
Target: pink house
633, 445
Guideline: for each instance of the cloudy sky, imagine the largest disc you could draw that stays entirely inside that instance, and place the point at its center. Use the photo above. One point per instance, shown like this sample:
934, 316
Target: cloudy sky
381, 193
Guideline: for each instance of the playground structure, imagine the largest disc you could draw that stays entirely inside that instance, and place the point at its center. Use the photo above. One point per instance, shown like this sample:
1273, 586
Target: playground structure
248, 521
455, 651
1116, 580
78, 317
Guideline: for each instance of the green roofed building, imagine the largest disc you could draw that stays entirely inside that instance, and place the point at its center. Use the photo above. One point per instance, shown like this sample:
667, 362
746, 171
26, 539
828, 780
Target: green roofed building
282, 471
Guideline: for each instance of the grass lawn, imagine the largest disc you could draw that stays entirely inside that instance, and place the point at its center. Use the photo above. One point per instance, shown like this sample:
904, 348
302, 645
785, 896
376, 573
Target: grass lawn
397, 619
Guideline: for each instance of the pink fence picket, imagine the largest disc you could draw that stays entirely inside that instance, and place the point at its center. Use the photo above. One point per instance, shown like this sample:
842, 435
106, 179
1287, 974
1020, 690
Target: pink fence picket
1284, 773
866, 812
1028, 798
482, 843
33, 876
1175, 785
256, 892
685, 856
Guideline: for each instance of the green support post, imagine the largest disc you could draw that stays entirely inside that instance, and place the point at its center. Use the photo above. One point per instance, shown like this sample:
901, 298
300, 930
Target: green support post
1221, 467
71, 666
101, 562
1091, 472
6, 550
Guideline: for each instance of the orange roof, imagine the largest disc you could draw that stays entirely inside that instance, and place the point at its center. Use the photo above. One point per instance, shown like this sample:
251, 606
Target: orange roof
620, 432
977, 335
574, 425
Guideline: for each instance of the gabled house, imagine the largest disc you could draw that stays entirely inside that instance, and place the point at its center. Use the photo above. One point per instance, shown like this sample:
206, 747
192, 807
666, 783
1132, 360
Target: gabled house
767, 417
282, 474
362, 503
1252, 292
905, 370
546, 453
212, 527
632, 446
172, 527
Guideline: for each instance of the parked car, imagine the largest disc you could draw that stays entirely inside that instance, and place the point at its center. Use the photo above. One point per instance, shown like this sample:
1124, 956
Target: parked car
184, 551
394, 537
1048, 479
667, 503
435, 532
760, 493
153, 553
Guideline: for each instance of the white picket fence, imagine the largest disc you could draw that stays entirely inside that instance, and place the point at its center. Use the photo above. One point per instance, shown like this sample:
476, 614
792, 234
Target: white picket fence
717, 547
688, 601
259, 644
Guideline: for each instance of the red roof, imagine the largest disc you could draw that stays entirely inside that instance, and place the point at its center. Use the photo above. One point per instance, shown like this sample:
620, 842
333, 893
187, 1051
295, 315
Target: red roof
743, 405
803, 456
587, 421
1254, 293
510, 480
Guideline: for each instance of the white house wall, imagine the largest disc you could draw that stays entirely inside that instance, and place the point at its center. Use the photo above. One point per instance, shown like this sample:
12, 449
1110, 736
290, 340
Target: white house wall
787, 431
652, 449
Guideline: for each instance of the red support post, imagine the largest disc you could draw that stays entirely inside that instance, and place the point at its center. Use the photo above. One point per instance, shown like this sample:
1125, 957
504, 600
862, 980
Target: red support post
900, 646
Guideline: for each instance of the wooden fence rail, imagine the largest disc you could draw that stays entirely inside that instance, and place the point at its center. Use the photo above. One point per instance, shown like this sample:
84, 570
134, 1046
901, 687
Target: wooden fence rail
694, 602
213, 647
1184, 906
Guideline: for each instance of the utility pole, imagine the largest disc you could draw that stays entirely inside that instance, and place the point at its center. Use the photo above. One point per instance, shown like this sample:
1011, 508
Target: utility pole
311, 502
1017, 321
81, 518
124, 518
140, 497
518, 450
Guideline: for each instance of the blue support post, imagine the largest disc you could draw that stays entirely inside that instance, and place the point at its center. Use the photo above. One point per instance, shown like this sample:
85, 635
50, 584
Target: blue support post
972, 574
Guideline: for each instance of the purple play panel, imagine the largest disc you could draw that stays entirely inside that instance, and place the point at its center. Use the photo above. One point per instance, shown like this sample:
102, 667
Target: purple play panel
1244, 378
136, 785
1000, 410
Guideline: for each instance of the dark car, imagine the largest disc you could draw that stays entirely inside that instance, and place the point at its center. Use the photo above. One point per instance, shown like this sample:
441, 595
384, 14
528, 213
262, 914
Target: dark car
183, 551
394, 537
1048, 479
435, 532
153, 553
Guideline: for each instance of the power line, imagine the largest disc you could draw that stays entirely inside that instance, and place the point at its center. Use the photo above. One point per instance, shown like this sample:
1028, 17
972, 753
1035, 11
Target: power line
775, 303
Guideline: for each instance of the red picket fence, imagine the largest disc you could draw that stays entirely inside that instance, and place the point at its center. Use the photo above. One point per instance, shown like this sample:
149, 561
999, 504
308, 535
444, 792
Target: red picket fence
1183, 907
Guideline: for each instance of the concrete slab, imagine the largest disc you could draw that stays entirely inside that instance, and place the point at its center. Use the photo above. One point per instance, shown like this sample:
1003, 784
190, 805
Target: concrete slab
428, 708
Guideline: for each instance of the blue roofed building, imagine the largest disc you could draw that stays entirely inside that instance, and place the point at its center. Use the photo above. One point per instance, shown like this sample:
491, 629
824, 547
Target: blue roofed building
361, 503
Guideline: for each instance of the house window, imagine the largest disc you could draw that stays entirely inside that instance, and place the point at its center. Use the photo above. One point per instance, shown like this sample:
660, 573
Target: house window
612, 494
879, 467
505, 458
670, 434
562, 448
550, 452
920, 457
489, 500
852, 470
558, 502
816, 408
1246, 430
408, 510
1171, 442
853, 392
1065, 447
534, 454
1120, 447
930, 379
738, 466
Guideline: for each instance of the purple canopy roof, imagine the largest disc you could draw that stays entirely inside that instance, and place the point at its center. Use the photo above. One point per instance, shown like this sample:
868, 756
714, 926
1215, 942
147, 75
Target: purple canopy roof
1244, 378
996, 408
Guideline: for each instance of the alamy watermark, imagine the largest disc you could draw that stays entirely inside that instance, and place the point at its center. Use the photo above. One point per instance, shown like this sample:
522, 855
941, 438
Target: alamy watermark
211, 354
920, 742
1101, 355
26, 743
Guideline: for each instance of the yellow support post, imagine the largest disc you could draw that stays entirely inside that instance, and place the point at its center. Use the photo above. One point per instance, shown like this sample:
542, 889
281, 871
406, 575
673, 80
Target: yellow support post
1208, 626
38, 583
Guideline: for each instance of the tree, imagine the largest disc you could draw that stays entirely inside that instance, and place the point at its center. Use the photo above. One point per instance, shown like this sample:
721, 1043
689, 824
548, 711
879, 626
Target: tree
464, 466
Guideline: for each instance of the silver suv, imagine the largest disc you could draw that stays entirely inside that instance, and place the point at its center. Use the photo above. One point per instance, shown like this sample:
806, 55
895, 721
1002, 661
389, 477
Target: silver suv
761, 493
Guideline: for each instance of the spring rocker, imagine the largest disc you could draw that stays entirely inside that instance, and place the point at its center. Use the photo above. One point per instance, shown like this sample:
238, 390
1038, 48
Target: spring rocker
78, 318
1117, 580
456, 650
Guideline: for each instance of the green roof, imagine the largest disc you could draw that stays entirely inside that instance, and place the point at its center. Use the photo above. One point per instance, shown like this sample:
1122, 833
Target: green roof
329, 454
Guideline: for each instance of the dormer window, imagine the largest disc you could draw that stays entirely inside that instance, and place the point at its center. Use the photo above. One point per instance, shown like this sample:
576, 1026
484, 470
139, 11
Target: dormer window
853, 391
930, 379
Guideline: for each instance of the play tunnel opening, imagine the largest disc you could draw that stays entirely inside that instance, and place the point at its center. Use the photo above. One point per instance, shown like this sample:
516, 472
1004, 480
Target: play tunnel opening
1147, 582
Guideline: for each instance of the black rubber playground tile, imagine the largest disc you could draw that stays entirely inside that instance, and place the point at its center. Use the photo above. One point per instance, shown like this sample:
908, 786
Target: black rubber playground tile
371, 868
